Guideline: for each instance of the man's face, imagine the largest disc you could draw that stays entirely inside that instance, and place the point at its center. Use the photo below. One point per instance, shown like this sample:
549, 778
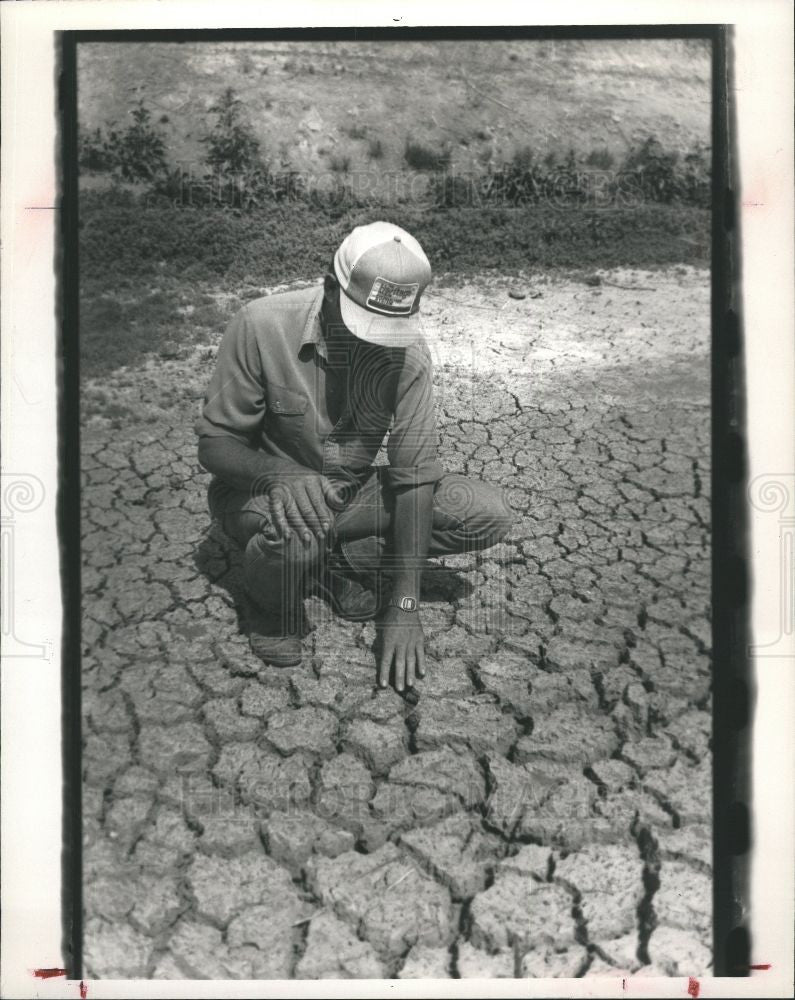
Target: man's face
345, 343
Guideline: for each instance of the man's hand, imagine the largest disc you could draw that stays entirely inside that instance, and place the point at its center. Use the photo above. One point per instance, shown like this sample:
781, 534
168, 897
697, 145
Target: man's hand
302, 504
402, 641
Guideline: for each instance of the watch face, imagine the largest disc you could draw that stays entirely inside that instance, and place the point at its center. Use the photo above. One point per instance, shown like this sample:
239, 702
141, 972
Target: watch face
408, 604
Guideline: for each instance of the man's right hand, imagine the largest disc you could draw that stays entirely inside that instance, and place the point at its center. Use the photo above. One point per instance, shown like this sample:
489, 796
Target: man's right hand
302, 502
301, 505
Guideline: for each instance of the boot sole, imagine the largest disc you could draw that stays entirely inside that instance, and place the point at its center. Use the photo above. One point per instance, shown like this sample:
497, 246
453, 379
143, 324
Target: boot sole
274, 661
282, 663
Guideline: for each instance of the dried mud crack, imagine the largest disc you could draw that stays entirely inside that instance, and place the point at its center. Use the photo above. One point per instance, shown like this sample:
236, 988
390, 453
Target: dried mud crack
539, 804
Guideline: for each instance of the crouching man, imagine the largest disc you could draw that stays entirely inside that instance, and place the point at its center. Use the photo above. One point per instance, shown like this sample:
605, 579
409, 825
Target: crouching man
306, 387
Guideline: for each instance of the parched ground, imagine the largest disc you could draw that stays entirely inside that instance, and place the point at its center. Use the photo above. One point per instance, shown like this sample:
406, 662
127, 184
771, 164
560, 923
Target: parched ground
539, 804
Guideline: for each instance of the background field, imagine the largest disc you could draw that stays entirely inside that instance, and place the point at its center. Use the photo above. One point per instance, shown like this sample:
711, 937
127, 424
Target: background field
166, 231
484, 99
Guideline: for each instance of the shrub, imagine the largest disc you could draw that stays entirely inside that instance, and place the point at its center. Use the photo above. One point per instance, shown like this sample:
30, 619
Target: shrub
340, 164
96, 154
655, 169
231, 145
375, 149
522, 159
420, 157
356, 131
138, 153
695, 182
450, 190
601, 159
140, 150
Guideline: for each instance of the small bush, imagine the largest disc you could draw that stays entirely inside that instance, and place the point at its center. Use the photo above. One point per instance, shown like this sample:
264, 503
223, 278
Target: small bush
96, 155
375, 149
340, 164
420, 157
522, 159
137, 153
550, 160
356, 131
695, 182
231, 144
140, 149
601, 159
655, 168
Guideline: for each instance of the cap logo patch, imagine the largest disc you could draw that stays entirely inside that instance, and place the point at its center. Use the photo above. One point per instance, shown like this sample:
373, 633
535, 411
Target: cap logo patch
390, 298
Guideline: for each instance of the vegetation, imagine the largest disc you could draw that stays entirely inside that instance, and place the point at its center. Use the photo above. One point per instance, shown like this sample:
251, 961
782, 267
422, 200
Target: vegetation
420, 157
237, 175
648, 174
232, 147
375, 149
340, 164
356, 131
247, 221
137, 153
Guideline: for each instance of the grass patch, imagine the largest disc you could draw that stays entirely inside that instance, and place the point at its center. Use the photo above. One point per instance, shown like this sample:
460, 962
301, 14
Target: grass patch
421, 157
117, 331
122, 243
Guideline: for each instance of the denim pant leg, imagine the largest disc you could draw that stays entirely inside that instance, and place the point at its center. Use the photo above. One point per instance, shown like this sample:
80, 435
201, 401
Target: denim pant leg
273, 568
468, 515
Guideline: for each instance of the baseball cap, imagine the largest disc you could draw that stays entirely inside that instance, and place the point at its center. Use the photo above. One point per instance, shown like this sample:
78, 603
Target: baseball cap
382, 272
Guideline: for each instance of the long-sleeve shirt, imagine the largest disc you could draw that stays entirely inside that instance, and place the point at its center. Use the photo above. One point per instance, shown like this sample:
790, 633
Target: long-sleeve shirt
282, 387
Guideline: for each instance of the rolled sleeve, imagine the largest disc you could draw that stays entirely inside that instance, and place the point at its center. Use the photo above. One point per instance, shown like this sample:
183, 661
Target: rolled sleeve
234, 405
413, 440
417, 475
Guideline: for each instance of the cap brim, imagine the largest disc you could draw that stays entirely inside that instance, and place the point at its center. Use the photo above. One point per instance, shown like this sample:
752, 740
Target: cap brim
386, 331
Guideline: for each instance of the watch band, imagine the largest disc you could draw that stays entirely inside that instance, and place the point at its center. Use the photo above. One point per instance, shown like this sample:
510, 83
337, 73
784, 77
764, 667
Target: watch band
407, 604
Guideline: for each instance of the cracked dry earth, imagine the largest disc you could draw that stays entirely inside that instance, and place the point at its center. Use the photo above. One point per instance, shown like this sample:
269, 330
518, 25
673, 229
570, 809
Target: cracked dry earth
540, 805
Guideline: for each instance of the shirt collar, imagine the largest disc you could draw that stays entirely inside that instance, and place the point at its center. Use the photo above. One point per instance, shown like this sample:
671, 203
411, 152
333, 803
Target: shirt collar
313, 331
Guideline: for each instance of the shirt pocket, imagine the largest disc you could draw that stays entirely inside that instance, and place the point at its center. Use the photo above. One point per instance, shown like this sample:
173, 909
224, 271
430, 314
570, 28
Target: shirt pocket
285, 414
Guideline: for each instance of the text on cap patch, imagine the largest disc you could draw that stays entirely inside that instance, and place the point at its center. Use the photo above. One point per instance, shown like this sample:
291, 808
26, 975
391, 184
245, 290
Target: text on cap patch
391, 298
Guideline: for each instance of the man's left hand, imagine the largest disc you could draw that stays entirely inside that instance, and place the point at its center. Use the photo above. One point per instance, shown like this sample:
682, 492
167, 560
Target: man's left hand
402, 642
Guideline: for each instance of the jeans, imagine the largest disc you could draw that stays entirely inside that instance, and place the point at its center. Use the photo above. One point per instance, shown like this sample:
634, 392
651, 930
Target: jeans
468, 515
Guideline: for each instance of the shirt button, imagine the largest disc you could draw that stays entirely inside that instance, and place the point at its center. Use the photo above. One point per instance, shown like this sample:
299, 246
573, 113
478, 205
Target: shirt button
277, 405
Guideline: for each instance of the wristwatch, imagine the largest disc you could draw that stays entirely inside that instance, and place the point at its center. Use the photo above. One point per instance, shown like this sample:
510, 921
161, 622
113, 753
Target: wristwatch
404, 603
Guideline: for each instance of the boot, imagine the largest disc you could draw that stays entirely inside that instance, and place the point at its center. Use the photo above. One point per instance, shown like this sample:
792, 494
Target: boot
352, 595
276, 639
273, 583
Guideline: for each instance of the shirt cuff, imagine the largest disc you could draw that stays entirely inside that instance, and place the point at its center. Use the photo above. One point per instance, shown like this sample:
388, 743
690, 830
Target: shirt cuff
415, 475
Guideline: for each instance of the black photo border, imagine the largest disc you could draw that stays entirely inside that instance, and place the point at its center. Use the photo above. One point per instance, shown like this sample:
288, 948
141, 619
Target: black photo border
733, 694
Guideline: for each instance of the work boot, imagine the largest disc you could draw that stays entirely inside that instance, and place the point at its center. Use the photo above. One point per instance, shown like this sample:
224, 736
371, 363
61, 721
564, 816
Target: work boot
351, 595
275, 640
272, 575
